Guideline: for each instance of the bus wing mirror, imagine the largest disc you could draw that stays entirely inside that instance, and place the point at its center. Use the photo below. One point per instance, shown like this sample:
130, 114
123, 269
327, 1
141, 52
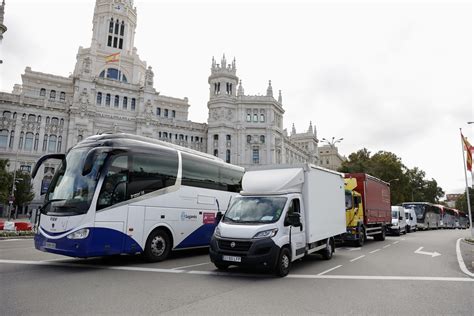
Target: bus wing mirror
43, 159
218, 217
92, 156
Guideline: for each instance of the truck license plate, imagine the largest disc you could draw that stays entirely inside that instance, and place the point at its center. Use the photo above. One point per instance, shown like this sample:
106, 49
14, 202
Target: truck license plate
232, 258
50, 245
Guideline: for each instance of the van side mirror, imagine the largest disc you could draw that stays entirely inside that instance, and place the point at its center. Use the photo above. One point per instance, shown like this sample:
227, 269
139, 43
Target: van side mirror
293, 219
219, 216
400, 218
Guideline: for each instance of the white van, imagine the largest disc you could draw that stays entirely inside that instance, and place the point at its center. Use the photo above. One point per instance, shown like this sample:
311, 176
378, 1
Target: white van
410, 216
399, 223
282, 214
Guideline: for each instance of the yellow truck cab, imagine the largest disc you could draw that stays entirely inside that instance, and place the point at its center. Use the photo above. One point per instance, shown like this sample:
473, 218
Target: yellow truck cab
354, 214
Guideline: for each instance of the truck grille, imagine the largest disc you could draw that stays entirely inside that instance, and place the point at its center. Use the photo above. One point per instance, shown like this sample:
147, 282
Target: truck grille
239, 245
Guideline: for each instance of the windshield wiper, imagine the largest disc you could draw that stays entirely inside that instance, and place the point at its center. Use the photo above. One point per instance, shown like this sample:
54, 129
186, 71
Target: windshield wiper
49, 202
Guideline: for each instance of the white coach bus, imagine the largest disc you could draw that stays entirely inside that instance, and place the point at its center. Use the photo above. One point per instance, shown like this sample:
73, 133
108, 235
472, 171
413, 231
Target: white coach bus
126, 194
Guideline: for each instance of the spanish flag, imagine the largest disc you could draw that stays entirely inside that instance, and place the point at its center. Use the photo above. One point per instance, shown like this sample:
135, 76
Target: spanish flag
112, 58
469, 149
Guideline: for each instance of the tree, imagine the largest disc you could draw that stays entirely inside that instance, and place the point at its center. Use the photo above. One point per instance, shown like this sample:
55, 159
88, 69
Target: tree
461, 202
23, 189
5, 182
405, 184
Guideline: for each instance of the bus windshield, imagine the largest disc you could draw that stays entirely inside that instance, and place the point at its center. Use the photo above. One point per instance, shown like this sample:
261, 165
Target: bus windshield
70, 192
419, 209
255, 210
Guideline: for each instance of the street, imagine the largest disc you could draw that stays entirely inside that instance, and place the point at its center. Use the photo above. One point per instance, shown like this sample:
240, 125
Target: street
417, 273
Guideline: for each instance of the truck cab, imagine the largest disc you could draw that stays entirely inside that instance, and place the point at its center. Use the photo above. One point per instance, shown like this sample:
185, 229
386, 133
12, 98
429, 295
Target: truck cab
354, 214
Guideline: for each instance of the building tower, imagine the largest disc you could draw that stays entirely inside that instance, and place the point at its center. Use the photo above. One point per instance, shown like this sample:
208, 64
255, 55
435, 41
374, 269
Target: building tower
222, 109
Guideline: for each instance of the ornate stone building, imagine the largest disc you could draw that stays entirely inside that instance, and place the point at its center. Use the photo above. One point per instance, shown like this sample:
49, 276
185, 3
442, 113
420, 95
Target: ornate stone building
112, 89
330, 158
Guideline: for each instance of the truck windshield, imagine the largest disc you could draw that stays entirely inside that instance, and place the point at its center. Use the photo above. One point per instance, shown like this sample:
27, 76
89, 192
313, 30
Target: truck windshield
394, 214
255, 210
70, 193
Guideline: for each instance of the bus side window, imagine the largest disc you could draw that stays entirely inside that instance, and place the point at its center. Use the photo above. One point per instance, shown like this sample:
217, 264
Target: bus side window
114, 188
149, 173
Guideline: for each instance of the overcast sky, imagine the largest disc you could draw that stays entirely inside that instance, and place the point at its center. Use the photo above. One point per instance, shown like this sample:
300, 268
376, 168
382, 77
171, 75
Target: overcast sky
384, 76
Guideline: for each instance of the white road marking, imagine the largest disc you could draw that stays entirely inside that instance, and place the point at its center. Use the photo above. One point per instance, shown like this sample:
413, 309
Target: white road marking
386, 246
395, 242
460, 260
374, 251
432, 254
357, 258
11, 239
291, 276
329, 270
193, 265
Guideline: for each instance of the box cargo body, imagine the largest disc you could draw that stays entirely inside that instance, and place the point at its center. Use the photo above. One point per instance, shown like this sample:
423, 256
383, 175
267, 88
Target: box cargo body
376, 198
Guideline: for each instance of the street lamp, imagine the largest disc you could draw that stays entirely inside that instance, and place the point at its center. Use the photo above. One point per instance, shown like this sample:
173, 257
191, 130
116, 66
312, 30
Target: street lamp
332, 142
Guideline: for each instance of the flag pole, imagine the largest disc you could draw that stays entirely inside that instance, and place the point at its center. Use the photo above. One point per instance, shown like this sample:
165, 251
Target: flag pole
467, 186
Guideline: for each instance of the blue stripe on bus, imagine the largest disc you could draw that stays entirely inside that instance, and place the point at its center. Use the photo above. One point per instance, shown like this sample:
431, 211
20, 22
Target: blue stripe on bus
198, 238
100, 242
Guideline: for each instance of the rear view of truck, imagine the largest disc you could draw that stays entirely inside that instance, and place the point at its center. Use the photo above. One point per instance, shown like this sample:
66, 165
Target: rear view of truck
368, 208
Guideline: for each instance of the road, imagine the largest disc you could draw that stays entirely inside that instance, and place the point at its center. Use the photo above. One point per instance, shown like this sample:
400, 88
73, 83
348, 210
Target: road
387, 277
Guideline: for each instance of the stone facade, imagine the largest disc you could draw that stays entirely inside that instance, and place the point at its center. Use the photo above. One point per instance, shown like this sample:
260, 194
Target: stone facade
112, 90
330, 158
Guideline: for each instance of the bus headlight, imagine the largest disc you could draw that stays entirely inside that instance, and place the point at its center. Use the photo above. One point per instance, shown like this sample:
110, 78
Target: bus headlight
217, 232
266, 233
79, 234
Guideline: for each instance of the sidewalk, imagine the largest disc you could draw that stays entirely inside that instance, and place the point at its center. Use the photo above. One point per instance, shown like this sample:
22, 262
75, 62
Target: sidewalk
467, 252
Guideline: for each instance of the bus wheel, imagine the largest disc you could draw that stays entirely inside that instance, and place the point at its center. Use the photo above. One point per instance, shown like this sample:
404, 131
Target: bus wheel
158, 246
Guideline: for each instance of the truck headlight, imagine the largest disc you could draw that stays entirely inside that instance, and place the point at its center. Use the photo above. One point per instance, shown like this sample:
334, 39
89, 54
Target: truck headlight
217, 232
79, 234
266, 233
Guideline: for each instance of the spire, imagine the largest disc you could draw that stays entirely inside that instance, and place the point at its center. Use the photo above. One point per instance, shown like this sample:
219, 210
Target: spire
269, 89
240, 91
223, 62
213, 65
293, 130
279, 97
233, 64
310, 129
3, 28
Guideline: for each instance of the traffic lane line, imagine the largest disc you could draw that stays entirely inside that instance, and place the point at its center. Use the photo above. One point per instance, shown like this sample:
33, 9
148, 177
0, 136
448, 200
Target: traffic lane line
386, 246
360, 257
238, 274
374, 251
192, 265
329, 270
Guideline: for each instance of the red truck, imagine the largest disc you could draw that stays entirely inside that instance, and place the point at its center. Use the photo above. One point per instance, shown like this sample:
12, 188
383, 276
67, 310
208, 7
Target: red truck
371, 215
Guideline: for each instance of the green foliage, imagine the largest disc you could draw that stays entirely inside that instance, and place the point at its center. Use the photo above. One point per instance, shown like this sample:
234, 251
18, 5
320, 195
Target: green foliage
405, 184
24, 189
5, 182
461, 203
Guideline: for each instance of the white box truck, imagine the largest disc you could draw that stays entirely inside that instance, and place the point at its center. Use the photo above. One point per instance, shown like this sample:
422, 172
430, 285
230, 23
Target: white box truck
282, 214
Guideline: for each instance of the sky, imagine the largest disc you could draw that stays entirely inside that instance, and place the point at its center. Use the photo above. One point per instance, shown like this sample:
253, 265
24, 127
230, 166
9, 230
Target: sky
392, 76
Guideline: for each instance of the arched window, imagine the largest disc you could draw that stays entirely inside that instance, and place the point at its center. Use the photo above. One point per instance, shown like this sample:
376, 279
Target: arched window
61, 122
47, 119
45, 142
39, 119
52, 94
255, 117
158, 111
107, 99
52, 143
3, 138
227, 156
20, 143
62, 96
216, 153
262, 139
122, 29
166, 112
42, 92
124, 103
7, 114
111, 25
14, 115
249, 139
173, 113
116, 101
12, 138
117, 27
262, 117
54, 121
114, 74
79, 138
29, 141
165, 135
216, 137
99, 98
249, 117
23, 117
132, 105
35, 147
31, 118
60, 141
228, 137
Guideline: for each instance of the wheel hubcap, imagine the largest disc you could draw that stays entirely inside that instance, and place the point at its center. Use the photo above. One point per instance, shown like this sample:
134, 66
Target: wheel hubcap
285, 262
158, 246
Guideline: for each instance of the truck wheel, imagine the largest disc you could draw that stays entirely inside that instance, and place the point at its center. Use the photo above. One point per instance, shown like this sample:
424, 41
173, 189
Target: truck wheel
360, 242
284, 263
221, 266
158, 246
328, 251
381, 236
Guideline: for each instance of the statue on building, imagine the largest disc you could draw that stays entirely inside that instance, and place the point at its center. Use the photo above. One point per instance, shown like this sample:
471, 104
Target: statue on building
149, 77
